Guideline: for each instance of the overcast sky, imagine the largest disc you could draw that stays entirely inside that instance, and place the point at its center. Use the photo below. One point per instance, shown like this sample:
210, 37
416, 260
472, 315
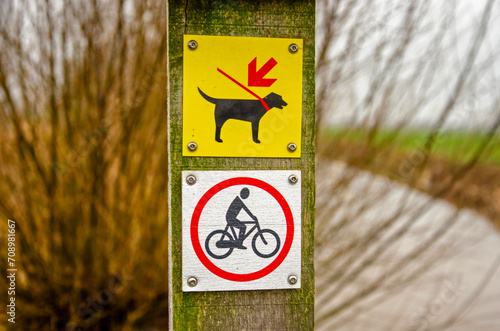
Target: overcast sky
474, 109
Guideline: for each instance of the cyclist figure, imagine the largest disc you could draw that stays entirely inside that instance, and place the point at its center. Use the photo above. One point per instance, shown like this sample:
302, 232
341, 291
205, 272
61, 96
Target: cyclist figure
234, 209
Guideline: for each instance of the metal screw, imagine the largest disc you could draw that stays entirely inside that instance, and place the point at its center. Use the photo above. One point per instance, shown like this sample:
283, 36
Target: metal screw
292, 147
192, 146
292, 279
191, 179
293, 179
192, 44
293, 48
192, 281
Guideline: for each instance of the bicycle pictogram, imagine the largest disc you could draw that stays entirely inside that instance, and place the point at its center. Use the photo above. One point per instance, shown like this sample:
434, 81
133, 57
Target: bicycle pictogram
221, 243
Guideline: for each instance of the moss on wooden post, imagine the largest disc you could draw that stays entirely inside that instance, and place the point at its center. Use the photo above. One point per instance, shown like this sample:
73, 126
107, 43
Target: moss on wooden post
241, 310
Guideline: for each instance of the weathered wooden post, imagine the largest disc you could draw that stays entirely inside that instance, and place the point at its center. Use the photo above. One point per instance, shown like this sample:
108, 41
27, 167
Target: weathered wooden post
241, 170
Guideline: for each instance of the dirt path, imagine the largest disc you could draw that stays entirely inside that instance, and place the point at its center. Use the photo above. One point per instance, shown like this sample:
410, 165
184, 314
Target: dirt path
441, 272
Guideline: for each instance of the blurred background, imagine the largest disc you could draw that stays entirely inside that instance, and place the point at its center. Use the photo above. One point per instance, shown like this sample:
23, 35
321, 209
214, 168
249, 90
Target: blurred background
408, 157
408, 194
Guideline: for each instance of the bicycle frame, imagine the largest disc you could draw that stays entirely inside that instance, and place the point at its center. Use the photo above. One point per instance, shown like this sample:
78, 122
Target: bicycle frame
235, 235
233, 241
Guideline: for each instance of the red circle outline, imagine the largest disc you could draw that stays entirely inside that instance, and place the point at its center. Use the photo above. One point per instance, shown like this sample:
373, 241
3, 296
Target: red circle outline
195, 219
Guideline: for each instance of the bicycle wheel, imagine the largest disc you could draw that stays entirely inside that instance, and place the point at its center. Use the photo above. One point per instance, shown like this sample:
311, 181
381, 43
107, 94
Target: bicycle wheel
211, 247
266, 248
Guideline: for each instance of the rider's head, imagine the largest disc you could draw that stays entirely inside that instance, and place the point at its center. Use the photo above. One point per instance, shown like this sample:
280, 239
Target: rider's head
244, 193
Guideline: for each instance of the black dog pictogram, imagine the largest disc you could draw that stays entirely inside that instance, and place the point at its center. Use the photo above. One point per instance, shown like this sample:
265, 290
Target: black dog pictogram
244, 110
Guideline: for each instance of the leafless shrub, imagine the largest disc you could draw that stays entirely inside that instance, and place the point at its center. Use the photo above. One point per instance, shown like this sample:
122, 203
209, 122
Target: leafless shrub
82, 97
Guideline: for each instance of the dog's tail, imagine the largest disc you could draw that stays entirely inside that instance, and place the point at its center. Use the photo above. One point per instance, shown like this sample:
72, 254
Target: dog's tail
209, 99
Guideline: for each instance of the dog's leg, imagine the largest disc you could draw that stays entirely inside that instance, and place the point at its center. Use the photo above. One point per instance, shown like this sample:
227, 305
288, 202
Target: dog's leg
218, 126
255, 131
217, 133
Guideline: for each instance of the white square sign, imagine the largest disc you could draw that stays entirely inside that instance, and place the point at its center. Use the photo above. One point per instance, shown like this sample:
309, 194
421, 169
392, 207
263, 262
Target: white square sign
241, 230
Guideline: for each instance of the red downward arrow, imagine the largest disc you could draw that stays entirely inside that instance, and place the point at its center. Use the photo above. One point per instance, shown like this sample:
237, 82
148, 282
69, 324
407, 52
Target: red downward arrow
256, 78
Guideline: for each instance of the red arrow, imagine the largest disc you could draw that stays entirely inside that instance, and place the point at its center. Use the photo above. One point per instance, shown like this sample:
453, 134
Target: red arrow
256, 78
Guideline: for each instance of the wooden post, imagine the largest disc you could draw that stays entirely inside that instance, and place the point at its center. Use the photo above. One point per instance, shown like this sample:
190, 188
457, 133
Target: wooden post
288, 309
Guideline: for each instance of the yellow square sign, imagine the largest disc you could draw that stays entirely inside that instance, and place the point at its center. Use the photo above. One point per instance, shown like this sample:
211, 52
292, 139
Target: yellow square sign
242, 96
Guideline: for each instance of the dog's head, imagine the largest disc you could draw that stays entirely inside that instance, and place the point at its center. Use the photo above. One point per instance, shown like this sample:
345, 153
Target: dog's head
275, 100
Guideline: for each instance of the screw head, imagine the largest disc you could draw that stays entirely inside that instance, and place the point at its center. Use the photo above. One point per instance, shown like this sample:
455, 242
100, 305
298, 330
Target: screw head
192, 146
191, 179
192, 281
293, 48
192, 44
292, 147
293, 179
292, 279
